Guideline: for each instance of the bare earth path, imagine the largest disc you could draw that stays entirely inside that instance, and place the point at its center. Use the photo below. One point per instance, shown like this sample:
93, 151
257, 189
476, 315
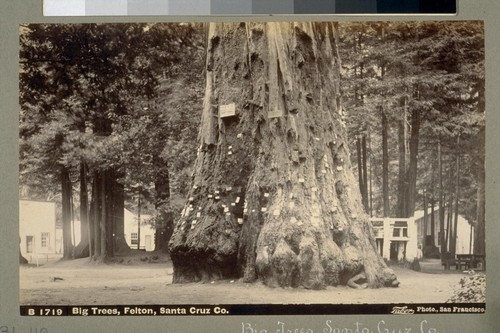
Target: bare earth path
84, 283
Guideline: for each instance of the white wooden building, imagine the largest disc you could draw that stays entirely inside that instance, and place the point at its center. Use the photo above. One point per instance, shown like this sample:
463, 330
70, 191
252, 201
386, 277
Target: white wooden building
403, 238
37, 229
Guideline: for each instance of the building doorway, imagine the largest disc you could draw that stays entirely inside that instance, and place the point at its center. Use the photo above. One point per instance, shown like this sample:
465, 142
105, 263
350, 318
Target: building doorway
29, 244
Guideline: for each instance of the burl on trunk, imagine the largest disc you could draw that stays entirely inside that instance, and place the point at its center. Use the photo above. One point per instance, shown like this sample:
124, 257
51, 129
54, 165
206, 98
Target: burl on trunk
273, 195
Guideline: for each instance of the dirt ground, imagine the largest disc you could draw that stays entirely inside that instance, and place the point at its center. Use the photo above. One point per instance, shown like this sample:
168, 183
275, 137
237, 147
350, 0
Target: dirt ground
135, 280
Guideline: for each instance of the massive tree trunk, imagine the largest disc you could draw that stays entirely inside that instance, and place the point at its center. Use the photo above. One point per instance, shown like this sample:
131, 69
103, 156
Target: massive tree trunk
273, 195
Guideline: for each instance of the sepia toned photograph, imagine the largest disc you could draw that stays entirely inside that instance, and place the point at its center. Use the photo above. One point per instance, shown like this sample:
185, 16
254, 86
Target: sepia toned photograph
252, 163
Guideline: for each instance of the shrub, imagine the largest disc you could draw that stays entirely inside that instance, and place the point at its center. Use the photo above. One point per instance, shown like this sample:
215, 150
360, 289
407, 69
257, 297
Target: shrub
472, 289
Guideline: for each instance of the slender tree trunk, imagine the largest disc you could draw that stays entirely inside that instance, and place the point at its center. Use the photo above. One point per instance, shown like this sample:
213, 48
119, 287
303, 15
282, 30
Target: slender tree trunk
360, 168
82, 249
102, 190
66, 212
433, 223
411, 176
371, 172
164, 223
426, 222
96, 199
385, 164
479, 229
273, 194
453, 244
402, 184
448, 219
117, 220
365, 175
139, 222
441, 200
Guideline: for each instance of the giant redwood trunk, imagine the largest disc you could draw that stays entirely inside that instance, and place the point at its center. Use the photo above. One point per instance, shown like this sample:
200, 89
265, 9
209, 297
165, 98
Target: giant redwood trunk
273, 195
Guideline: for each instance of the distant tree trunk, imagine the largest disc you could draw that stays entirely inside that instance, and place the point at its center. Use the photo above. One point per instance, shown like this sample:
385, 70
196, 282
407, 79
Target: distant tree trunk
426, 221
362, 173
441, 201
385, 164
139, 222
66, 190
82, 249
402, 184
370, 179
111, 201
116, 217
273, 196
365, 175
104, 223
433, 223
453, 244
164, 222
407, 185
96, 202
448, 219
411, 175
479, 230
360, 167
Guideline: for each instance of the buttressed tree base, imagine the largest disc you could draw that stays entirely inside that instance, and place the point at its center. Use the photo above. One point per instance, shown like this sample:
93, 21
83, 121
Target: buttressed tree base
273, 197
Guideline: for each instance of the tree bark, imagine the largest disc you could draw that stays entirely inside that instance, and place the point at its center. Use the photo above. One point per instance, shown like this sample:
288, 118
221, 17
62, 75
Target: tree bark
364, 193
66, 190
82, 249
104, 224
411, 175
164, 222
402, 169
385, 164
453, 244
273, 194
116, 217
361, 153
96, 220
433, 223
441, 201
426, 222
479, 228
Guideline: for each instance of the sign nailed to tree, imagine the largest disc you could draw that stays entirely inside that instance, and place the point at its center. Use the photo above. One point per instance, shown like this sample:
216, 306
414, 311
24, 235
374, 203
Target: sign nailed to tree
276, 113
227, 110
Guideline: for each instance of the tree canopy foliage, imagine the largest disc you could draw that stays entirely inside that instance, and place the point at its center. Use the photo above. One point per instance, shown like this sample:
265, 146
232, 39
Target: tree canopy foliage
107, 96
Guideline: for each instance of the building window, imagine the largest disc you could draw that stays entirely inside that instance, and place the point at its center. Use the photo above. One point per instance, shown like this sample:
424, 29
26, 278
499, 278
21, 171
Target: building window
45, 239
396, 232
29, 244
134, 238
